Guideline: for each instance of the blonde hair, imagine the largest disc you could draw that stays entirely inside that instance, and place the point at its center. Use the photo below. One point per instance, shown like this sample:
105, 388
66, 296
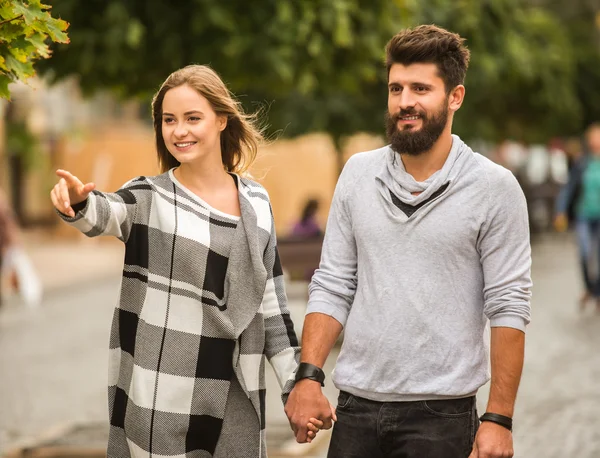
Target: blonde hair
241, 137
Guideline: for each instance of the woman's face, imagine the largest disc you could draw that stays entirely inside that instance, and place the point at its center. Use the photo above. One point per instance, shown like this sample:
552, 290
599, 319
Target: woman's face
190, 127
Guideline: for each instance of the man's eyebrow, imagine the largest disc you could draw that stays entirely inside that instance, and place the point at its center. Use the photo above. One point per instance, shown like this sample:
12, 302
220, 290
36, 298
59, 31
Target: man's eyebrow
422, 84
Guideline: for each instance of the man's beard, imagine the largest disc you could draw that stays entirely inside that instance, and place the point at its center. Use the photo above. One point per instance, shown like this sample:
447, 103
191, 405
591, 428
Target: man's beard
415, 142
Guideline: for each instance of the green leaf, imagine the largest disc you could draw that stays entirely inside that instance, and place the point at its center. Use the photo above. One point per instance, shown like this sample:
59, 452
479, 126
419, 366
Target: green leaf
21, 49
56, 29
38, 42
30, 12
23, 40
22, 70
4, 82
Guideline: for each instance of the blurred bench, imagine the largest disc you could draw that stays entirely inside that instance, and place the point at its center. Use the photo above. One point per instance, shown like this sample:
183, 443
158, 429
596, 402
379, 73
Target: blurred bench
299, 256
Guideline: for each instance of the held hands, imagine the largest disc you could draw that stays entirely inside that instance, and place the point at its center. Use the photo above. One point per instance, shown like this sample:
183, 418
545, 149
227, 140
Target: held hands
308, 410
492, 441
69, 191
313, 427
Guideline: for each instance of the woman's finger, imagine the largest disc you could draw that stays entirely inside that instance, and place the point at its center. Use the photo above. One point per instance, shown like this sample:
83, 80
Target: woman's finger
315, 421
71, 179
333, 414
313, 428
64, 194
54, 199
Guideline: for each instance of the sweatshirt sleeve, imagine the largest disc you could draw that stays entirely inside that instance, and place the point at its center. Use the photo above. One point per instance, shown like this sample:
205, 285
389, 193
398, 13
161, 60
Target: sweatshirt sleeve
333, 284
108, 213
505, 254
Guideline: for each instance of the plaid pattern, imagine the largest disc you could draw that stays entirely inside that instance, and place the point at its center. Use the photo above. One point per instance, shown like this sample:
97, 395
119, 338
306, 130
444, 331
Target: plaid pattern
202, 299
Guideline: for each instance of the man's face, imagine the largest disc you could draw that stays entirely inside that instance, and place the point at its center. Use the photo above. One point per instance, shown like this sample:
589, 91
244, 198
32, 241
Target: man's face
417, 108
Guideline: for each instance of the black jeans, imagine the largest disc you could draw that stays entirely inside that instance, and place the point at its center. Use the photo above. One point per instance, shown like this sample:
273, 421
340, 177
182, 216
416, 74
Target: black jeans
416, 429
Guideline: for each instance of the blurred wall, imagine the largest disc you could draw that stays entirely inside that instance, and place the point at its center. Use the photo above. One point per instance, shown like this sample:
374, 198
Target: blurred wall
107, 142
295, 170
292, 170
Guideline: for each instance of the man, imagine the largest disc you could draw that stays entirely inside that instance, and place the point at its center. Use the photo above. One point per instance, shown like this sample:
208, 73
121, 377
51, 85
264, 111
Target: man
426, 242
580, 196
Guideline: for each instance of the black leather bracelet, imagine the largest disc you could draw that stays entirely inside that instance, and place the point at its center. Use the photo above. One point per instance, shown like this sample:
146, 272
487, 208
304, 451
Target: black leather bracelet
498, 419
310, 371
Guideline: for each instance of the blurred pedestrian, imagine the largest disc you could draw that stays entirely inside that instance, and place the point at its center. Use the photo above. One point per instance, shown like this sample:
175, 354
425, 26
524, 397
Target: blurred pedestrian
9, 238
574, 151
582, 193
202, 298
426, 243
308, 226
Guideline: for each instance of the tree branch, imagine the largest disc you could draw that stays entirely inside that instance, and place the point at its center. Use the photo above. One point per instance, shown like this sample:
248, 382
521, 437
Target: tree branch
20, 16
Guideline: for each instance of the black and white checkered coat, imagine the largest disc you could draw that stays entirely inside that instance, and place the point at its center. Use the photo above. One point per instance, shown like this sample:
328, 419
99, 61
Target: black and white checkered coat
202, 299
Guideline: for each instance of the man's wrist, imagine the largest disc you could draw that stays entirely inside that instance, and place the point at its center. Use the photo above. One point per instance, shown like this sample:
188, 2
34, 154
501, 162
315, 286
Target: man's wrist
309, 383
307, 371
501, 420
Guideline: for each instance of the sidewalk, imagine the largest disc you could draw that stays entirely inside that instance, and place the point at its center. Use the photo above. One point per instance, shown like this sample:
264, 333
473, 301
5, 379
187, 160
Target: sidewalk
64, 262
57, 370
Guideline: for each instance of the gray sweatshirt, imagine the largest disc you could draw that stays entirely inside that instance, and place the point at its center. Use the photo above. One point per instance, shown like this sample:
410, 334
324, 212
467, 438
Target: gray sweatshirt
414, 279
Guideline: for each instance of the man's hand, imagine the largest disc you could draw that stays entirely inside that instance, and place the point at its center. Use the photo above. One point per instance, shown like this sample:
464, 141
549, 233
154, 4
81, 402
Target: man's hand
307, 401
492, 441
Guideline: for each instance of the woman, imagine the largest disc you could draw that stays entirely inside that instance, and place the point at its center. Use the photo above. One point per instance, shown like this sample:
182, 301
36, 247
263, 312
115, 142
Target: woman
202, 297
307, 226
582, 194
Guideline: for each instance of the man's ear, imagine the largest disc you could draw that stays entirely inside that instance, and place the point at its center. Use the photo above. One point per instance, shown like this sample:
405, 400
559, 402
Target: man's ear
457, 95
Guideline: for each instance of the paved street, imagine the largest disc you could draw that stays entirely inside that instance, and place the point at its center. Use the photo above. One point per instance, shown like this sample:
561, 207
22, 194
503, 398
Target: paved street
559, 401
53, 364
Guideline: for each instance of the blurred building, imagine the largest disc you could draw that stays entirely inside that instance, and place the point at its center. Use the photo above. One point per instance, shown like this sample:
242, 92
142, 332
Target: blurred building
108, 142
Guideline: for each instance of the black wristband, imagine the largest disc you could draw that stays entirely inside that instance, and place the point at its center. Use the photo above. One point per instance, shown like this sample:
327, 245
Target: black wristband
310, 371
498, 419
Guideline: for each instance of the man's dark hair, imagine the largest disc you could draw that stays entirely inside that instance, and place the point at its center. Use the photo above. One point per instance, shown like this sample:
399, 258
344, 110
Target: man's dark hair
431, 44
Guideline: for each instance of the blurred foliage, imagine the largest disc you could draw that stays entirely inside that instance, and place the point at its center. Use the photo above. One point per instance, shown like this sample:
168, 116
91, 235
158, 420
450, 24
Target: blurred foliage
578, 18
318, 64
535, 67
22, 143
25, 28
274, 48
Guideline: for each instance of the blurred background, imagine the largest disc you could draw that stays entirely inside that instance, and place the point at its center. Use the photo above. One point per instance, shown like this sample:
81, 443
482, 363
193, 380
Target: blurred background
315, 70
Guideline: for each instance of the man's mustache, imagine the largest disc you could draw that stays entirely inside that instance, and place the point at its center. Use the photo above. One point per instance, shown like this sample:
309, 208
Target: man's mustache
402, 113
